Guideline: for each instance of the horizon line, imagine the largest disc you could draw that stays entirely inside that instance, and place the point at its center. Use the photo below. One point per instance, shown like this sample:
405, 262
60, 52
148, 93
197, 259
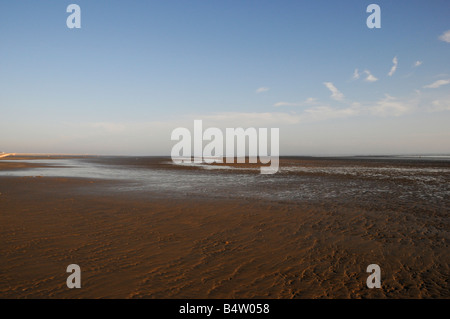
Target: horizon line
4, 154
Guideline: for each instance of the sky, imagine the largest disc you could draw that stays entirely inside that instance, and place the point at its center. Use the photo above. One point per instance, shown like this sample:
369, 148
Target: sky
136, 70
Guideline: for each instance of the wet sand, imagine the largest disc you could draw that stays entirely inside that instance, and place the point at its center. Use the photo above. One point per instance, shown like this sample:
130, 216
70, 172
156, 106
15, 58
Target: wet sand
154, 245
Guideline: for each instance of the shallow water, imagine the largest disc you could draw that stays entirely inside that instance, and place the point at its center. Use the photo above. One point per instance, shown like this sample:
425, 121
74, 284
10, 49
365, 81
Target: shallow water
396, 181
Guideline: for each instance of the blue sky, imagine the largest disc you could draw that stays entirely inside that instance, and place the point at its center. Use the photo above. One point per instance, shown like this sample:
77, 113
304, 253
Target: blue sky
136, 70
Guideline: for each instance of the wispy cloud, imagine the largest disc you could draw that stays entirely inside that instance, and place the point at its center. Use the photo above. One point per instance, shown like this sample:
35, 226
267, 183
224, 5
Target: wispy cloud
370, 77
394, 67
262, 89
390, 106
242, 119
321, 113
445, 36
440, 105
385, 107
335, 93
356, 74
436, 84
279, 104
417, 63
308, 101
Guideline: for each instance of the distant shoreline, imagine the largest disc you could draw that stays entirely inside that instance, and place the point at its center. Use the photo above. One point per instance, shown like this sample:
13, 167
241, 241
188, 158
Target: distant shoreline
351, 158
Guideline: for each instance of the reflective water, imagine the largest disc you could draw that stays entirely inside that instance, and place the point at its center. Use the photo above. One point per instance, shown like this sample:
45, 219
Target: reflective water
339, 182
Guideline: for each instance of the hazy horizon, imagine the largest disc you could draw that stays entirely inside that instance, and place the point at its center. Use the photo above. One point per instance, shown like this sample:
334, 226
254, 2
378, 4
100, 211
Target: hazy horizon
435, 155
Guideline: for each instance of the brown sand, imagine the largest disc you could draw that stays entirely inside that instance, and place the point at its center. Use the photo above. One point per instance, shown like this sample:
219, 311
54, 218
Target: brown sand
148, 247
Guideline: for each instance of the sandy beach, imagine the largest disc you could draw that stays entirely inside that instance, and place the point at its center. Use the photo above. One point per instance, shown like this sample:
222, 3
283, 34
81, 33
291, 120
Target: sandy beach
133, 241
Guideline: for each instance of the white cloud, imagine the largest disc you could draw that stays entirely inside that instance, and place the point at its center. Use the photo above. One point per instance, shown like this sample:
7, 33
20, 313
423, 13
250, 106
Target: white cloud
278, 104
436, 84
394, 67
321, 113
311, 100
370, 77
417, 63
390, 106
440, 105
356, 74
336, 94
241, 119
262, 89
385, 107
445, 36
308, 101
